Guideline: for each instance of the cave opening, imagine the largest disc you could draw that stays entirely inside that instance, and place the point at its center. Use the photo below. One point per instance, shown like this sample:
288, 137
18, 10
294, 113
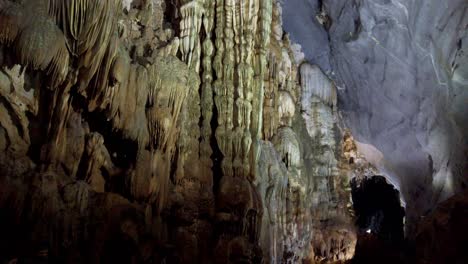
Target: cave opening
379, 220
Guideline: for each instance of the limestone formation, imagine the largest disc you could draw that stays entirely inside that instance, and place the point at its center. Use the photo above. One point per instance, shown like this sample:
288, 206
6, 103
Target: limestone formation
158, 131
334, 237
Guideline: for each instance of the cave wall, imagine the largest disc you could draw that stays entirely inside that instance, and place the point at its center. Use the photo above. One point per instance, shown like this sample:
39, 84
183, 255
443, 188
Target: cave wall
400, 68
198, 131
177, 131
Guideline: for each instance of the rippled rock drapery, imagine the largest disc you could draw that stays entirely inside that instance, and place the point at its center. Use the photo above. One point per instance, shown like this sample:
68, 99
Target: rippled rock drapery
150, 131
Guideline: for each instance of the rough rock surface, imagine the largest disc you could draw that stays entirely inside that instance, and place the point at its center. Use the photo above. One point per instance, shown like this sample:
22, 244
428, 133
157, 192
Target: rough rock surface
401, 71
156, 131
195, 131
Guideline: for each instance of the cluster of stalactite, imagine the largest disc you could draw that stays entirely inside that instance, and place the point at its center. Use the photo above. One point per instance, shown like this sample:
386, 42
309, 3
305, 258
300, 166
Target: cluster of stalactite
168, 128
226, 50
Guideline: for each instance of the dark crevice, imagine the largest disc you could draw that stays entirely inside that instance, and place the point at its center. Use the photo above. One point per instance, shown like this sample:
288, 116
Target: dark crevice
172, 16
123, 151
174, 165
217, 155
37, 129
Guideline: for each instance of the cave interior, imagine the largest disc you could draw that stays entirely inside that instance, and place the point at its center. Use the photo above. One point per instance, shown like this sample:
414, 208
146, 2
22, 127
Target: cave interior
234, 131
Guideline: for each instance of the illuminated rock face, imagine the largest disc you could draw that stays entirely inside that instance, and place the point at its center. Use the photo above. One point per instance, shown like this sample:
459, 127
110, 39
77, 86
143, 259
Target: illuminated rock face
401, 71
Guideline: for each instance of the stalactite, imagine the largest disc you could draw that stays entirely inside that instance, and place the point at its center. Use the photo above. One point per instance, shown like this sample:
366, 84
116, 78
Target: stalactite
273, 76
223, 134
12, 21
129, 95
39, 42
286, 108
261, 69
248, 21
46, 52
190, 26
219, 82
220, 85
270, 102
54, 36
188, 139
166, 95
287, 146
166, 98
207, 85
238, 65
89, 27
99, 97
320, 85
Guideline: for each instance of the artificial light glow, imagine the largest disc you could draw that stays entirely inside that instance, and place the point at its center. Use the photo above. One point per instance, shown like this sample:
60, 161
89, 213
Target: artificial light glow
368, 231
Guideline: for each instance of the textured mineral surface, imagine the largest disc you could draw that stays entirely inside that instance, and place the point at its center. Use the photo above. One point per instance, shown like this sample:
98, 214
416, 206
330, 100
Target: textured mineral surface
232, 131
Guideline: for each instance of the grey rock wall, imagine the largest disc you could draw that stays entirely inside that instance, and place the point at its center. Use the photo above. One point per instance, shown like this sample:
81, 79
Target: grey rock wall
401, 69
299, 20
